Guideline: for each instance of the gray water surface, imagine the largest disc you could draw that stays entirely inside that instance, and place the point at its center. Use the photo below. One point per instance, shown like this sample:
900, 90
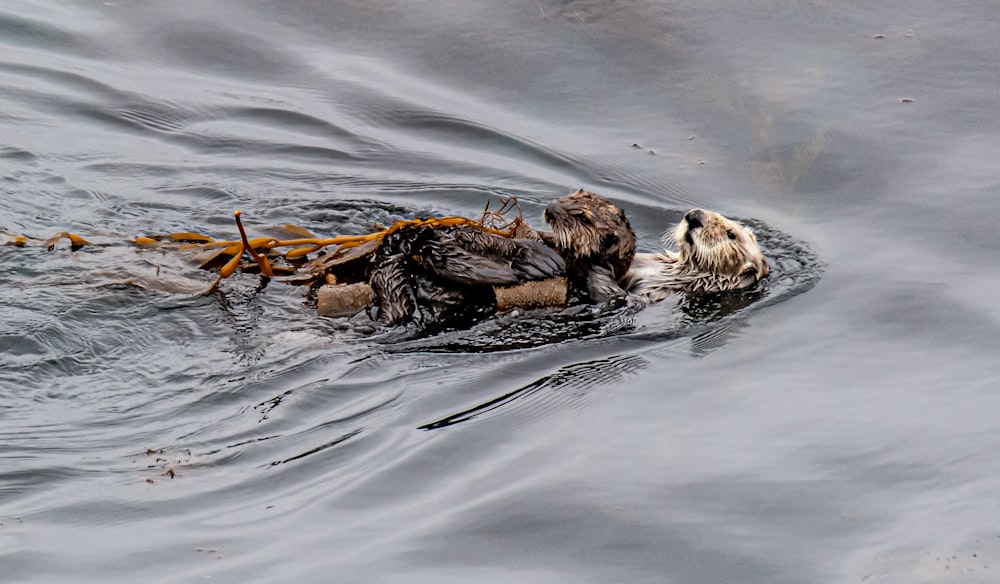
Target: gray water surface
840, 428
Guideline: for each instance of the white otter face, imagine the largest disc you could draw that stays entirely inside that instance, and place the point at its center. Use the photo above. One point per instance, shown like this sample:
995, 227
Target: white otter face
709, 242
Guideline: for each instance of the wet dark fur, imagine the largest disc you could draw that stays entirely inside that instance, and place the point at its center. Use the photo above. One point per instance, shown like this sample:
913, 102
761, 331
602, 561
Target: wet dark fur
597, 243
446, 275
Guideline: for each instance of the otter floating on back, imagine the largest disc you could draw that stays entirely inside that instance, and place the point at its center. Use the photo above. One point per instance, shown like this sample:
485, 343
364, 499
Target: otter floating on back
714, 254
445, 275
597, 242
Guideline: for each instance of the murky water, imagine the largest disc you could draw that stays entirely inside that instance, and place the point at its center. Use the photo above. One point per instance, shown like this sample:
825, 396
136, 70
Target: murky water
838, 426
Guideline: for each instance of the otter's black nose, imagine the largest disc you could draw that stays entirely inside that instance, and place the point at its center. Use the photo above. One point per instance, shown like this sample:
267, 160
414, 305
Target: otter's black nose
694, 218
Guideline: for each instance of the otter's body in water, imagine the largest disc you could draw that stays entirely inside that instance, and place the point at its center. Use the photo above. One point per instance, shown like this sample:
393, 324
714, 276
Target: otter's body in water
714, 254
596, 241
445, 275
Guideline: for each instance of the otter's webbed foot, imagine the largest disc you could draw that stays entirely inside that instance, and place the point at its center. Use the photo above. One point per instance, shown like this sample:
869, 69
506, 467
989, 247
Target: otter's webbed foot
528, 258
536, 261
446, 259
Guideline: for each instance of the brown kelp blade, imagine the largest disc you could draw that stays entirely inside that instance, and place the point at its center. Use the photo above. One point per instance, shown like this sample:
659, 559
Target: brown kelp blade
230, 267
189, 237
146, 242
75, 241
13, 239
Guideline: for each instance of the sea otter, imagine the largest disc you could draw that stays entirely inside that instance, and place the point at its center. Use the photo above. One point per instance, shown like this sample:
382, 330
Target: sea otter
445, 276
713, 254
597, 243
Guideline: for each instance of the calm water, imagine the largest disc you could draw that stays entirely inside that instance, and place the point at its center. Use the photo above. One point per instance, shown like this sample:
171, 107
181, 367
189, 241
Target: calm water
840, 428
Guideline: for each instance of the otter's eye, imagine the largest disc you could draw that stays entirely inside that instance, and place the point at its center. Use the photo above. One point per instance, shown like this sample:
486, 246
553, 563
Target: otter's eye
731, 235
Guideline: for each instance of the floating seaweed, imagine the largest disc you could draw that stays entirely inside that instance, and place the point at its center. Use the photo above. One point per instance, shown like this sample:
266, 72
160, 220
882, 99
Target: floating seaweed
345, 258
426, 270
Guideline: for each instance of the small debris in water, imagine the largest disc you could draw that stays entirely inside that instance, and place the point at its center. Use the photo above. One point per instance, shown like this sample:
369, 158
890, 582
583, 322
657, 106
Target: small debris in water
634, 145
651, 152
879, 36
906, 100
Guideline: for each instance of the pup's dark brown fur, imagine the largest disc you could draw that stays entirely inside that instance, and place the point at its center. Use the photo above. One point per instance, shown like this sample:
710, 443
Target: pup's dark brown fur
597, 242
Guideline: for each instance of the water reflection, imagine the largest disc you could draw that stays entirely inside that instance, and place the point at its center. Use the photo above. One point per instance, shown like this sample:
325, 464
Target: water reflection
573, 382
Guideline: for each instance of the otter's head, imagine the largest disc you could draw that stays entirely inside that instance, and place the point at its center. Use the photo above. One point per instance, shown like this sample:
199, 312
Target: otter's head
589, 228
710, 243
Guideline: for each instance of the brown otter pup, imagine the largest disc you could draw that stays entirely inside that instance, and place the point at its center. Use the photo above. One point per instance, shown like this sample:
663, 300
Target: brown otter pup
714, 254
597, 242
